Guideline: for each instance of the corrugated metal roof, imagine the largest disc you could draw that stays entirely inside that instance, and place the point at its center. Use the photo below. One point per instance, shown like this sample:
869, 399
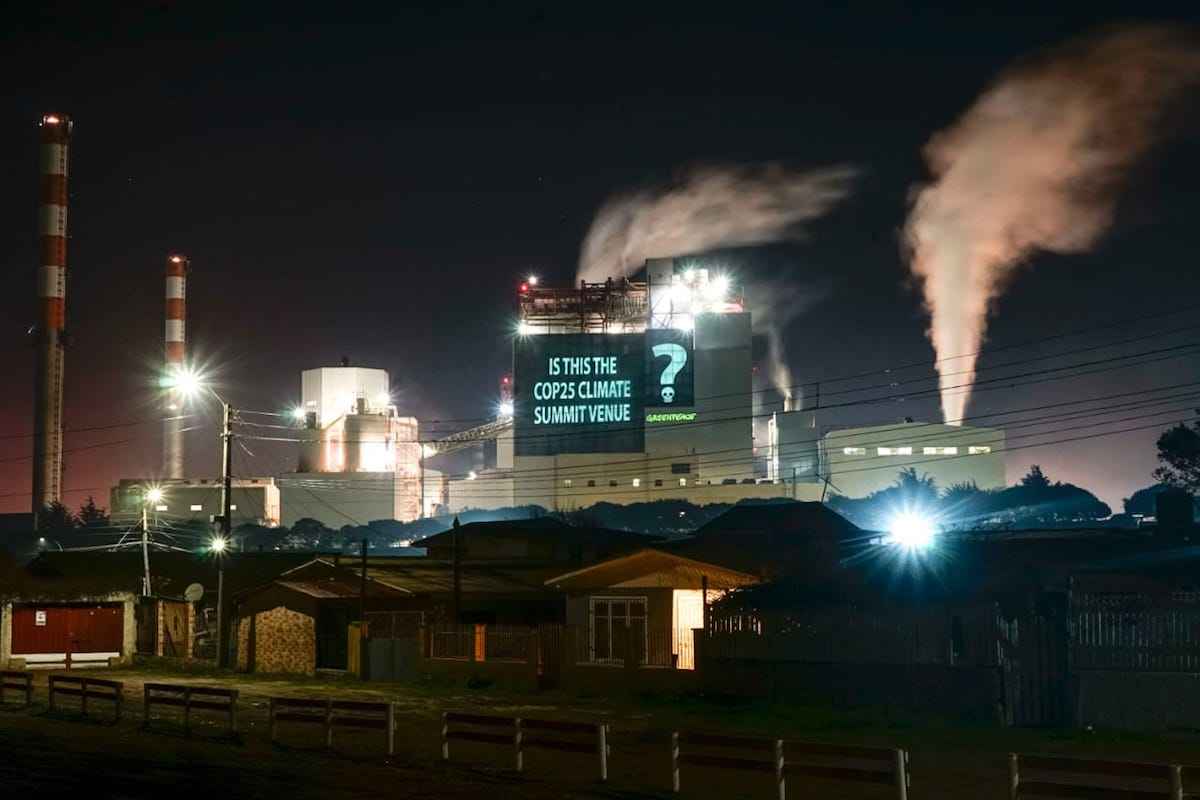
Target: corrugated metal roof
669, 569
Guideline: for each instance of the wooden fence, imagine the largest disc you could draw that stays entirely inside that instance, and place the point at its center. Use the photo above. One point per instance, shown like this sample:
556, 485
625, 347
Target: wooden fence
87, 689
185, 697
527, 734
15, 681
869, 765
332, 714
1074, 777
1128, 634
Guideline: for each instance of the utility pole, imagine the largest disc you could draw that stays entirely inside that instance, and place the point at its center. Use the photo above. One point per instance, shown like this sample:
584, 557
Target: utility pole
145, 550
226, 523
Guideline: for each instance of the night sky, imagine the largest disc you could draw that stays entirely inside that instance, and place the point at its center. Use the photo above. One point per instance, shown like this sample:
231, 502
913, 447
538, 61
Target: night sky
373, 185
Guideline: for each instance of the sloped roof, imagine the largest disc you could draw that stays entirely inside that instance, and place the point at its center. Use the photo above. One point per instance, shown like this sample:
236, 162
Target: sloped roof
663, 568
538, 527
801, 519
428, 576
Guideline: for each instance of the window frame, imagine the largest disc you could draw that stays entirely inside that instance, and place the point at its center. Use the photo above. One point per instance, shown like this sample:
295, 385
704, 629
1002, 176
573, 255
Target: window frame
610, 599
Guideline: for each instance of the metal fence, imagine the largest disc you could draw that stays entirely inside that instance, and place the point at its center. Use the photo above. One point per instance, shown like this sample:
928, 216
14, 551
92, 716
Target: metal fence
452, 642
1131, 634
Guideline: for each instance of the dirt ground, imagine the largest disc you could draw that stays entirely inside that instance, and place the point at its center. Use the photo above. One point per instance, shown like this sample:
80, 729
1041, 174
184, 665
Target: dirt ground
60, 754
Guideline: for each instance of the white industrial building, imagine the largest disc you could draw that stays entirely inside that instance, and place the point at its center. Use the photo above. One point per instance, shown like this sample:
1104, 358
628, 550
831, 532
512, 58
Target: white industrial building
252, 501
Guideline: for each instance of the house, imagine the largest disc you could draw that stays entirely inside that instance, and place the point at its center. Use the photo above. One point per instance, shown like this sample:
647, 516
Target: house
543, 539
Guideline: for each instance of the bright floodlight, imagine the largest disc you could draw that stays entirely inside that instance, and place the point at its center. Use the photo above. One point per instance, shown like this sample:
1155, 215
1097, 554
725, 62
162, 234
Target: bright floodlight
716, 289
533, 280
506, 408
524, 328
154, 495
218, 544
185, 381
912, 530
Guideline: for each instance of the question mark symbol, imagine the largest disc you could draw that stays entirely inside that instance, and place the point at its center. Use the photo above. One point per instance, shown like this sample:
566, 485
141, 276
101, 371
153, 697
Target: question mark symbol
678, 356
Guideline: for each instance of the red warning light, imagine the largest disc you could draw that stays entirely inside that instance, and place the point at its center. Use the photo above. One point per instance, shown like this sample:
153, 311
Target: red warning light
524, 288
504, 379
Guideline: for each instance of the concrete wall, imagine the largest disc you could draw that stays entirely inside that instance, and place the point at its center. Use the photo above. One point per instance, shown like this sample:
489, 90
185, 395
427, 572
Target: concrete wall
337, 498
1146, 701
283, 640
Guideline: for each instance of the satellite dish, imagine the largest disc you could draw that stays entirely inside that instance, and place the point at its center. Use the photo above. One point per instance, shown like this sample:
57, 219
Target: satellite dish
193, 593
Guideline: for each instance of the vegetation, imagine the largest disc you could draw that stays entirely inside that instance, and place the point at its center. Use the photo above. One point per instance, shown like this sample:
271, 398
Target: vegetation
1179, 457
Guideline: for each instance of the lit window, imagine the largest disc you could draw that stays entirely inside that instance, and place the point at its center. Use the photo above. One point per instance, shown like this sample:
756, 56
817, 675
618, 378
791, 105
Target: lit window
895, 451
637, 482
978, 449
854, 451
233, 507
683, 481
160, 508
941, 451
197, 507
567, 483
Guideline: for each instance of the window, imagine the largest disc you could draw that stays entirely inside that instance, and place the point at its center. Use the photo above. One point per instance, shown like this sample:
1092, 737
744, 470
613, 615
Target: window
233, 507
637, 482
160, 508
197, 507
681, 469
567, 483
618, 623
612, 484
979, 449
940, 451
894, 451
591, 483
658, 481
683, 481
854, 451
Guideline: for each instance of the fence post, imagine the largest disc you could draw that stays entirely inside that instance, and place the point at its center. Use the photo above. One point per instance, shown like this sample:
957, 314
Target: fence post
329, 724
779, 779
901, 774
1014, 776
445, 737
517, 744
391, 728
271, 717
602, 749
1176, 782
675, 761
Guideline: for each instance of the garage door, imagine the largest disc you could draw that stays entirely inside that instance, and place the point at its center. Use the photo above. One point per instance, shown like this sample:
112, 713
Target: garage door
87, 633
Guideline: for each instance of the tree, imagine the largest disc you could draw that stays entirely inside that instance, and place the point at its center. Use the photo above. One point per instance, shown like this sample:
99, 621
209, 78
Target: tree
1179, 456
90, 516
56, 520
1035, 479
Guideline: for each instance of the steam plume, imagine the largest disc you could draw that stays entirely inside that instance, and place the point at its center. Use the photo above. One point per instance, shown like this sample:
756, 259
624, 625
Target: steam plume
775, 303
1035, 164
705, 209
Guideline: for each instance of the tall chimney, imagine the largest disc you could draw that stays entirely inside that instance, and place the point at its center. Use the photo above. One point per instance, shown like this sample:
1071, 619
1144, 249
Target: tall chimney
49, 338
175, 352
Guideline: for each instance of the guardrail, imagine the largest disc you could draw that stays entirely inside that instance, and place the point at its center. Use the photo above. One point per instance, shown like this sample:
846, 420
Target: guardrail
1053, 772
457, 726
877, 765
333, 714
178, 696
87, 688
16, 681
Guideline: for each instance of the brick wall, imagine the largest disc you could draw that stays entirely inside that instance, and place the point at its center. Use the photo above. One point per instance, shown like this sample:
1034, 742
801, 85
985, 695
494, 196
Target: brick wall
243, 645
285, 641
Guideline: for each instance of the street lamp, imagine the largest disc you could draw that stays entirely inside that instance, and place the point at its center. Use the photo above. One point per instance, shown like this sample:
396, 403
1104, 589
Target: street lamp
42, 543
218, 544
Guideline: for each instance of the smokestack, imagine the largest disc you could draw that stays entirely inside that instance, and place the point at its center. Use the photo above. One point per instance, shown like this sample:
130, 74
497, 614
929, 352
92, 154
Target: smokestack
175, 352
49, 332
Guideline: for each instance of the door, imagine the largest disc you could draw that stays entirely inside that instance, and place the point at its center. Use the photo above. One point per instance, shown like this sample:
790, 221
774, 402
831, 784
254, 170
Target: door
93, 632
333, 625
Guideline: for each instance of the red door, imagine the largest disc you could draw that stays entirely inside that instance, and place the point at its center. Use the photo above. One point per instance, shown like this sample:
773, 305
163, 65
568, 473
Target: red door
95, 628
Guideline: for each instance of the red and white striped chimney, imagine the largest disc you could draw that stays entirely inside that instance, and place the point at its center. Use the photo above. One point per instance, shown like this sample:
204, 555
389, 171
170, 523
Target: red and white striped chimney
51, 324
175, 352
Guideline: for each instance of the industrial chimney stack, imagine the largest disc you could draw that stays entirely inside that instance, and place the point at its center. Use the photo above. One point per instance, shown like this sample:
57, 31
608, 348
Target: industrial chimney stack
52, 297
175, 352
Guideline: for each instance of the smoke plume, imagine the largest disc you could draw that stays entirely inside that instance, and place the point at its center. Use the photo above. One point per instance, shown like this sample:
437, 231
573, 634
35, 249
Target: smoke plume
705, 209
775, 303
1035, 164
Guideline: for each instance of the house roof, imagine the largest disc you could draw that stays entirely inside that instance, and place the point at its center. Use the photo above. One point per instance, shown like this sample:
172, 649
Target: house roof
429, 576
652, 567
538, 527
339, 588
75, 574
794, 518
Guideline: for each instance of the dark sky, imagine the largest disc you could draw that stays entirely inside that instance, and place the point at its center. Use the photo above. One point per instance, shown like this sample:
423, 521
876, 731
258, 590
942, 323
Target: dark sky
372, 184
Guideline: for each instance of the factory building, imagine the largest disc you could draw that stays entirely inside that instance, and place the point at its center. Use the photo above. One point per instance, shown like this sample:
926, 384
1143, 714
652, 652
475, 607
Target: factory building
629, 391
359, 459
252, 501
860, 461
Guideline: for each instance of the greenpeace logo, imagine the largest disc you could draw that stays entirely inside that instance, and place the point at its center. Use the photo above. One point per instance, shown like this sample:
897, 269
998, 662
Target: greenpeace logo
671, 416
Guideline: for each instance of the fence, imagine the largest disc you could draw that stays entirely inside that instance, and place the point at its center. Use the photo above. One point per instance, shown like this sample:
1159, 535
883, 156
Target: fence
467, 728
870, 765
456, 642
13, 681
332, 714
1073, 777
165, 694
637, 646
88, 689
1129, 634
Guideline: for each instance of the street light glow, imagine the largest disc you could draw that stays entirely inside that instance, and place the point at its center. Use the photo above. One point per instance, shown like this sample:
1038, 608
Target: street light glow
533, 280
184, 380
218, 544
506, 408
912, 530
154, 495
298, 413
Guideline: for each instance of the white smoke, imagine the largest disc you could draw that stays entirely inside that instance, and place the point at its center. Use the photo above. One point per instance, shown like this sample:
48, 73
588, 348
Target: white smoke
705, 209
1035, 164
775, 303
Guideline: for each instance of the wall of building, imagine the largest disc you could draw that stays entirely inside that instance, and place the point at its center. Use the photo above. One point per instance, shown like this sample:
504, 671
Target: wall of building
254, 500
337, 499
285, 641
864, 460
331, 392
